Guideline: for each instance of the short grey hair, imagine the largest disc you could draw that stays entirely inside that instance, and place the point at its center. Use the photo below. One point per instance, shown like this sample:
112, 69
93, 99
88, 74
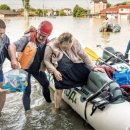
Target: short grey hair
65, 37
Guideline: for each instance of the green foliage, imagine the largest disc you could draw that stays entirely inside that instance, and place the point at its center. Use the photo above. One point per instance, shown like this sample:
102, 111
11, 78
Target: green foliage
39, 12
4, 7
20, 10
57, 12
45, 12
32, 9
123, 3
62, 13
108, 5
79, 11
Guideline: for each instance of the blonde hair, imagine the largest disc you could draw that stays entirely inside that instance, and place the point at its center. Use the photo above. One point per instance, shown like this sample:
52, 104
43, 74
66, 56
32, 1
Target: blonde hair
65, 37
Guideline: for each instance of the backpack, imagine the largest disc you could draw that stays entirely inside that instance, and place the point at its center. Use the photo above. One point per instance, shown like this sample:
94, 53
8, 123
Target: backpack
26, 57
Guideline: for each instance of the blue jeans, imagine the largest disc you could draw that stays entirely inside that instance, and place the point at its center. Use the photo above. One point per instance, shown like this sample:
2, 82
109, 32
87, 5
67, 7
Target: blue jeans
128, 48
42, 79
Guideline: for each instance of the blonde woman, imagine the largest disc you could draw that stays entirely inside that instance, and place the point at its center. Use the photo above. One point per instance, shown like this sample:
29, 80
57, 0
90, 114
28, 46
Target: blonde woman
69, 64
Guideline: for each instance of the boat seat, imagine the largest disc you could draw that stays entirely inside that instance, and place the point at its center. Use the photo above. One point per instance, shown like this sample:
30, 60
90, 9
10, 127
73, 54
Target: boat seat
96, 80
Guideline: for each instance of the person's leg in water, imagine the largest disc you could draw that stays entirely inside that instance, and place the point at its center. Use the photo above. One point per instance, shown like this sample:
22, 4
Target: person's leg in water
2, 97
42, 79
127, 50
26, 95
57, 98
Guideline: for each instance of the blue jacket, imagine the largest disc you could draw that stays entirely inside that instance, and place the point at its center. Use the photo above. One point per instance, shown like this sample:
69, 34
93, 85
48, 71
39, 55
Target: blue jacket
4, 43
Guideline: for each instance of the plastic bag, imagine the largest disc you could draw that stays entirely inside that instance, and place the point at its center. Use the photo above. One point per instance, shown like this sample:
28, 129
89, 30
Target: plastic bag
122, 77
15, 80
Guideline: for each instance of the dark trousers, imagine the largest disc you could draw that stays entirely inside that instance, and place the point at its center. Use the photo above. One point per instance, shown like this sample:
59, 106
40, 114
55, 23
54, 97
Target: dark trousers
42, 79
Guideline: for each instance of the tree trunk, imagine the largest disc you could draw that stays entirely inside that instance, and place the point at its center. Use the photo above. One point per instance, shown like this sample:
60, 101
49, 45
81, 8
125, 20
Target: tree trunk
26, 12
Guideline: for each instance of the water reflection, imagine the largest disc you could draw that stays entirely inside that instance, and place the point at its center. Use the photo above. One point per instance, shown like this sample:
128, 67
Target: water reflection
105, 37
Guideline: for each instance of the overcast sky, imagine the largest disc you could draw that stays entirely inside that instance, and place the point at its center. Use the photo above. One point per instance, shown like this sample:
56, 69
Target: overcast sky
14, 4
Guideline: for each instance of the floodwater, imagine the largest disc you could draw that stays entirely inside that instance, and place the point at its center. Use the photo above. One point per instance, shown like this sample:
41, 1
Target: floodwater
42, 116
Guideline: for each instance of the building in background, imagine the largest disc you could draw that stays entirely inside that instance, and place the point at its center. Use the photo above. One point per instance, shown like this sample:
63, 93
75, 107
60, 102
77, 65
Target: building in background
8, 13
97, 5
121, 11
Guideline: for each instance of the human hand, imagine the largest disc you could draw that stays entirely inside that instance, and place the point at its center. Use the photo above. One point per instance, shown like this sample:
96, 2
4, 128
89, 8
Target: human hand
98, 69
58, 75
14, 64
3, 91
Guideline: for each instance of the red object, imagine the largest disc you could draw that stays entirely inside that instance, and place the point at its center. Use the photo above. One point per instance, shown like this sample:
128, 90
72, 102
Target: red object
108, 70
45, 28
126, 88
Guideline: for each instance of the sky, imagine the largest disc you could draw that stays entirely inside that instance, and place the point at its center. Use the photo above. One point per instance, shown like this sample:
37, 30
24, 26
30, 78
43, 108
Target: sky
55, 4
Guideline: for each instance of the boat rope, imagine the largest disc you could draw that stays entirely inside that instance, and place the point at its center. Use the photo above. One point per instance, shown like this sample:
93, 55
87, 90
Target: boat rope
91, 97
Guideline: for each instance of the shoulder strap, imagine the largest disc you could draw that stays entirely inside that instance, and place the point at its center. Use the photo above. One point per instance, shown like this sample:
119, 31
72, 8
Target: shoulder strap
33, 36
66, 54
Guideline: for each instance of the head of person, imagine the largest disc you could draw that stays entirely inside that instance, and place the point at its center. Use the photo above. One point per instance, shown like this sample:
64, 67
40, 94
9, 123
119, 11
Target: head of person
44, 30
65, 41
2, 28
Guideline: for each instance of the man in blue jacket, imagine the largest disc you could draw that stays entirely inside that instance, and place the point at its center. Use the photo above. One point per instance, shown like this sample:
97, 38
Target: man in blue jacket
4, 43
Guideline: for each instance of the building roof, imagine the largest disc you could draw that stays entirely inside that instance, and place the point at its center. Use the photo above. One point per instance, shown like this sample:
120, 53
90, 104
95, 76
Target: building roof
8, 12
97, 1
114, 9
109, 10
124, 6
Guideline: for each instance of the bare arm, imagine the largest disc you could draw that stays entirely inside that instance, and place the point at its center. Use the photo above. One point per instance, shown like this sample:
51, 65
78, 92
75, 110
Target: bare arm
85, 56
89, 62
12, 54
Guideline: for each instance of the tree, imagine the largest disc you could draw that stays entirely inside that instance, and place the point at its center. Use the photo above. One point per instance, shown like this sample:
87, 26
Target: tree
79, 11
26, 6
4, 7
39, 12
123, 3
108, 5
62, 13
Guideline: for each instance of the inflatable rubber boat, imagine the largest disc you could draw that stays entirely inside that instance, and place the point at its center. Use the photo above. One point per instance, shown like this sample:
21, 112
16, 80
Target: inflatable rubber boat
100, 102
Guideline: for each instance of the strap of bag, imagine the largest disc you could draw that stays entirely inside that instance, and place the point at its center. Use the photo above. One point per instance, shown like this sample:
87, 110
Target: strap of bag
66, 54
